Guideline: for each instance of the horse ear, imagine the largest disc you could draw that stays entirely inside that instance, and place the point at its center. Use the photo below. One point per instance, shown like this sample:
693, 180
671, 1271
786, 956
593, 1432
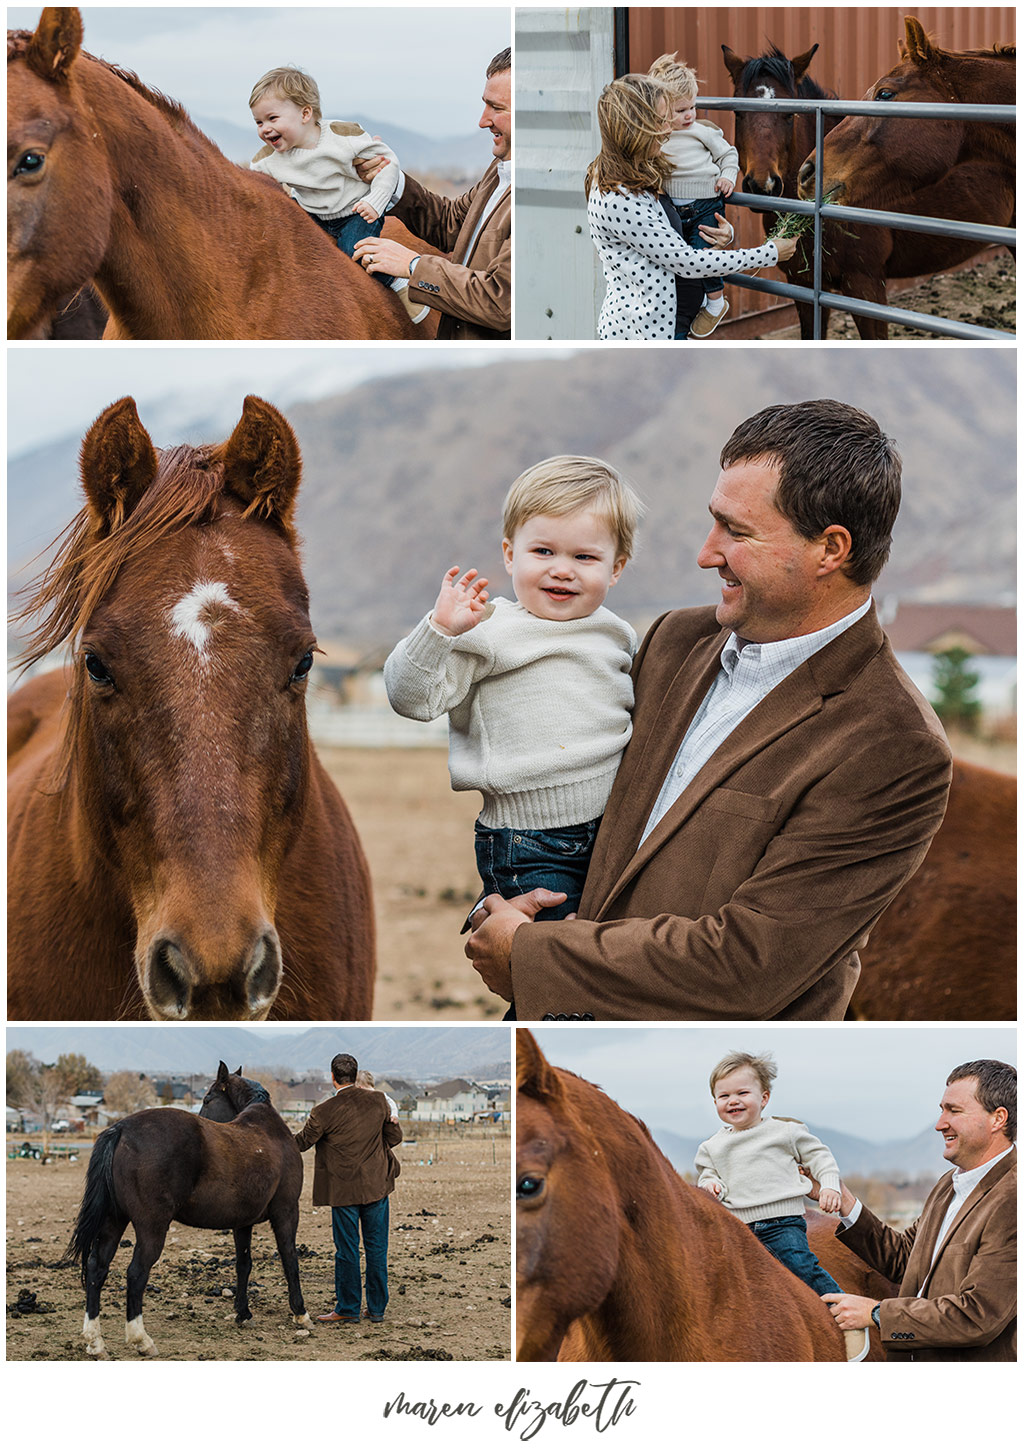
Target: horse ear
55, 45
733, 63
118, 464
800, 63
261, 461
239, 1072
918, 47
222, 1071
535, 1077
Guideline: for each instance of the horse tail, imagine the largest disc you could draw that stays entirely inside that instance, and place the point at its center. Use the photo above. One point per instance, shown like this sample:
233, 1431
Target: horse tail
98, 1200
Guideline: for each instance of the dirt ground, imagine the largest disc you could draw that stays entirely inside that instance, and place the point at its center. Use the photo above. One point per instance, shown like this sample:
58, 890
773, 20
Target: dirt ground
449, 1270
983, 294
418, 837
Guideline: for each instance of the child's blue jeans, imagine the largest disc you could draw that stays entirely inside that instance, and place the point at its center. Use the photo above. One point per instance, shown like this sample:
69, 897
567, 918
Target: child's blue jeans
786, 1238
512, 861
347, 231
695, 215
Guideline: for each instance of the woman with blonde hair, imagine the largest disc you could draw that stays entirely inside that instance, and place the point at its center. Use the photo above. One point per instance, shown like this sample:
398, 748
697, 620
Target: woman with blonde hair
632, 227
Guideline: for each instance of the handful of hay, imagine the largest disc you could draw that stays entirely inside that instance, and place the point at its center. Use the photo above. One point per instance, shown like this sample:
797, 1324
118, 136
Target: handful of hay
795, 224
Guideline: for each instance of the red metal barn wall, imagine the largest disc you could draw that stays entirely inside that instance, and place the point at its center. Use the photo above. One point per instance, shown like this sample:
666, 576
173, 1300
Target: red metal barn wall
856, 45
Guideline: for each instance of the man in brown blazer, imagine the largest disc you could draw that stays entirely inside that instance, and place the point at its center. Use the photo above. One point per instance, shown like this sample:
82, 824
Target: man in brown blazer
957, 1265
784, 778
472, 285
354, 1173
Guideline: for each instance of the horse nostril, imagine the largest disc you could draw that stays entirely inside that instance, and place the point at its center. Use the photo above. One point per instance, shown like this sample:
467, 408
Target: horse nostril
806, 174
167, 980
263, 977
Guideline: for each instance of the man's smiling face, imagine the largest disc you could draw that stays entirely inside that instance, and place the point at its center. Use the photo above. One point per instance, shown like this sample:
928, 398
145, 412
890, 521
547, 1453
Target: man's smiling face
970, 1135
770, 573
497, 113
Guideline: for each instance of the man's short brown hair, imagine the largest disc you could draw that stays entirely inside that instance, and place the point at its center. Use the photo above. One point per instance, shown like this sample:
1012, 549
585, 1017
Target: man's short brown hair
836, 468
344, 1068
502, 62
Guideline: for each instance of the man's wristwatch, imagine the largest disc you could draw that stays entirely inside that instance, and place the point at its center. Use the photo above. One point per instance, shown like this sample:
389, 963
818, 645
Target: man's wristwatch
875, 1315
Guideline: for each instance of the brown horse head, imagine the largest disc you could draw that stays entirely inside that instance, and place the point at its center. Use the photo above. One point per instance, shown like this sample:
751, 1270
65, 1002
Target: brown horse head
772, 144
185, 749
883, 162
565, 1199
57, 231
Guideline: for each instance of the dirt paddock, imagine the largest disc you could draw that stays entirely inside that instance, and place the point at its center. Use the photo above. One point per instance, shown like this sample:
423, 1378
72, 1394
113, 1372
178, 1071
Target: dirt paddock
449, 1270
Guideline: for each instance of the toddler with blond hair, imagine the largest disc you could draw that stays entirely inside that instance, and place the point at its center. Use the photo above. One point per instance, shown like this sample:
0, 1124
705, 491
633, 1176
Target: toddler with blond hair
537, 689
314, 161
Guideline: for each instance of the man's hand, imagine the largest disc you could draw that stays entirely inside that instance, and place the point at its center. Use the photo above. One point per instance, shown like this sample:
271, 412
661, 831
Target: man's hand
818, 1195
387, 256
365, 211
368, 167
719, 237
460, 604
850, 1311
489, 946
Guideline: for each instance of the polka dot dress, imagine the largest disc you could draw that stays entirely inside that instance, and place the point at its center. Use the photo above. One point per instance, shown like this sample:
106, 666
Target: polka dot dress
641, 255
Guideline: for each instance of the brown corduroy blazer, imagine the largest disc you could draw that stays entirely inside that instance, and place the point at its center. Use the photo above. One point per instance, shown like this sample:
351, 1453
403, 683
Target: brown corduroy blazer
474, 294
752, 895
353, 1134
967, 1309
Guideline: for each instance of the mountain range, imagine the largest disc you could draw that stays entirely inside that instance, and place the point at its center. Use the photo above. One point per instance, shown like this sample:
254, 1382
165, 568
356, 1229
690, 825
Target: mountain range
404, 475
903, 1158
415, 1052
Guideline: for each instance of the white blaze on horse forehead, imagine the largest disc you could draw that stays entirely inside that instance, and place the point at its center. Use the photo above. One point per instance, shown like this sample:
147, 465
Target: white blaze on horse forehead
190, 617
766, 93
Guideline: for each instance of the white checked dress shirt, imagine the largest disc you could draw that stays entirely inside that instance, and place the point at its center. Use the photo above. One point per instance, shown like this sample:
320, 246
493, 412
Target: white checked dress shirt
749, 672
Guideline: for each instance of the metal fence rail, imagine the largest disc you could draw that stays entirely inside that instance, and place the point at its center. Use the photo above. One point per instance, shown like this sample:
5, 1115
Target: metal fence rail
943, 227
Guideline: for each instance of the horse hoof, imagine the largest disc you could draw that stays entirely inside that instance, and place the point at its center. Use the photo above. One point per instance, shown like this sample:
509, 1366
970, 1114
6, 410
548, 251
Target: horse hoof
97, 1349
303, 1322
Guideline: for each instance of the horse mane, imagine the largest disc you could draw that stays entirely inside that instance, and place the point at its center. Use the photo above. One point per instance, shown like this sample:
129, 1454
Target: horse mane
778, 67
259, 1092
186, 491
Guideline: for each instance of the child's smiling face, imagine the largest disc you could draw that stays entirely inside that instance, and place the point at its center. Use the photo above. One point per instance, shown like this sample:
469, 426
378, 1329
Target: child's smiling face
740, 1099
563, 566
683, 113
282, 124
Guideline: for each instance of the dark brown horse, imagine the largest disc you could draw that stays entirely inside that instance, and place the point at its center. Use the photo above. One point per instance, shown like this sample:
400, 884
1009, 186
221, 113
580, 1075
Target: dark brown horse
618, 1259
164, 1164
176, 848
110, 182
946, 948
773, 144
964, 171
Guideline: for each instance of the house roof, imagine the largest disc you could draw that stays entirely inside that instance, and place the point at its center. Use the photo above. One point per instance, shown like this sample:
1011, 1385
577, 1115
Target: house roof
937, 626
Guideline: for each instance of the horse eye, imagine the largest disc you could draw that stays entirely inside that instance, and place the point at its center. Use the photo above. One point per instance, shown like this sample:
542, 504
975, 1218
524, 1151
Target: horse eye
884, 95
303, 667
528, 1187
97, 670
30, 162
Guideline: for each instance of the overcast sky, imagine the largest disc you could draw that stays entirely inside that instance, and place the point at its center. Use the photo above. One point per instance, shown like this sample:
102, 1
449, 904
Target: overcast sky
877, 1083
85, 379
419, 68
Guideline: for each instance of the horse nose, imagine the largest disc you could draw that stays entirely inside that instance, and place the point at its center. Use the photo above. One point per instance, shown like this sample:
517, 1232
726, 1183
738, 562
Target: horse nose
805, 177
768, 188
180, 984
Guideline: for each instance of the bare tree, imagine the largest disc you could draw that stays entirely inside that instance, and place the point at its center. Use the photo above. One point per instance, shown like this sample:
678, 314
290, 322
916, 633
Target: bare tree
129, 1092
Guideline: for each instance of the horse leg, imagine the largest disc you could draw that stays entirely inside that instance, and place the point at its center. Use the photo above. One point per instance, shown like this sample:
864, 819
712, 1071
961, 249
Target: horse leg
101, 1256
871, 288
243, 1268
148, 1246
285, 1223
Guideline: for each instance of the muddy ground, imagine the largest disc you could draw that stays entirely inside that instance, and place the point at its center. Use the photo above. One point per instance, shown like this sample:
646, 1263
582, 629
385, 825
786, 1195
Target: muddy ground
449, 1270
983, 294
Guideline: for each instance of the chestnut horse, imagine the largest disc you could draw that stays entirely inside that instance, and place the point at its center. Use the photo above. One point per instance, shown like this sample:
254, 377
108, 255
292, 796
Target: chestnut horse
772, 145
618, 1259
165, 1164
175, 847
946, 948
964, 171
111, 183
